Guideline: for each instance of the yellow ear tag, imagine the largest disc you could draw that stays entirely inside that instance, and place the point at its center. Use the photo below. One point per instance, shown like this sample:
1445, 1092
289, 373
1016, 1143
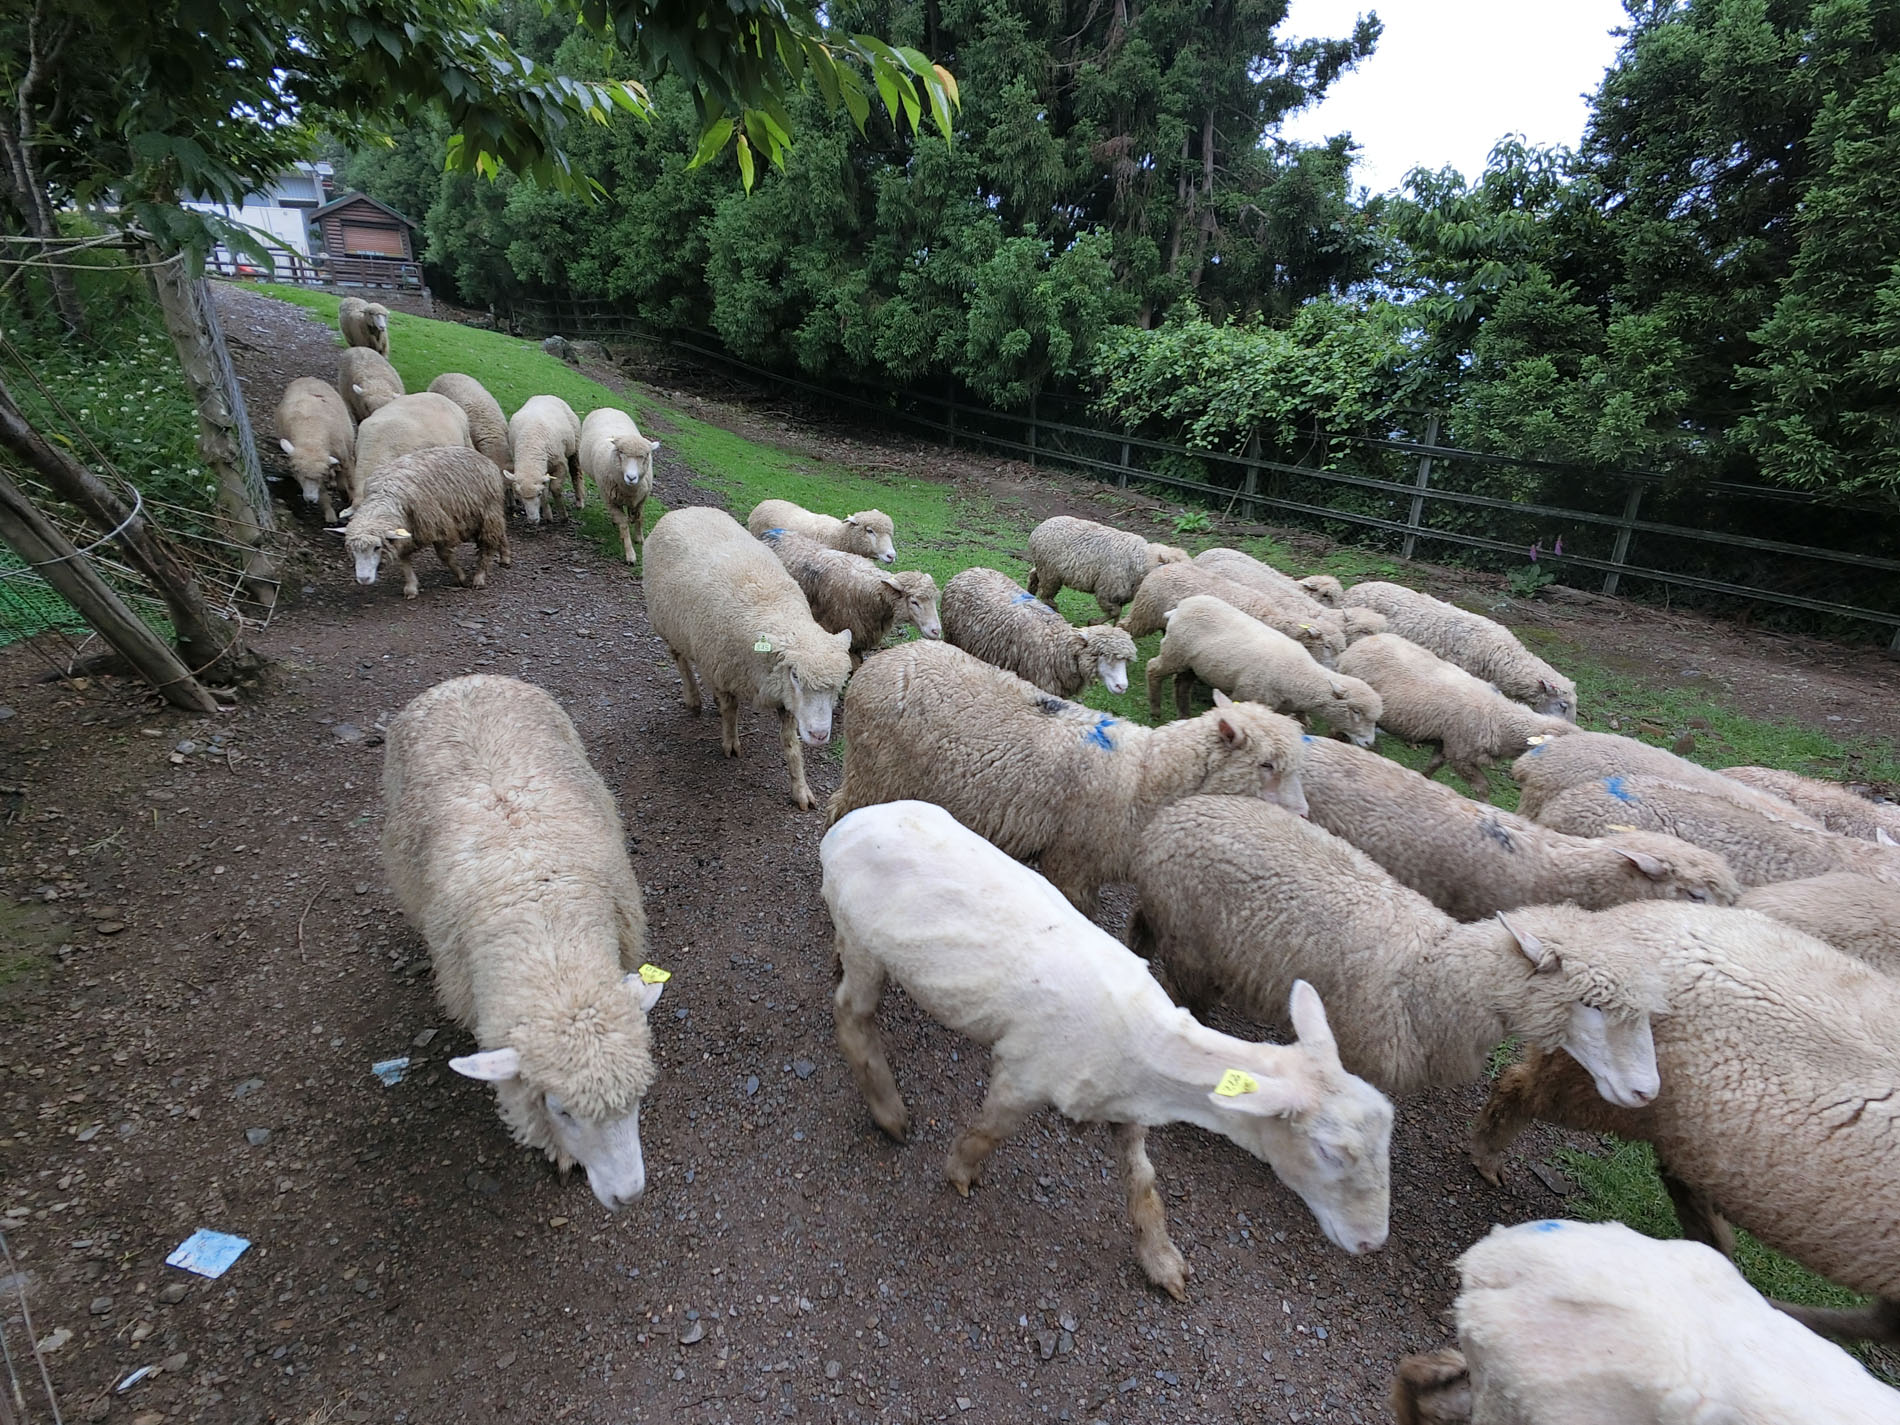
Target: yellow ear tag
654, 975
1235, 1082
1618, 826
400, 534
1537, 741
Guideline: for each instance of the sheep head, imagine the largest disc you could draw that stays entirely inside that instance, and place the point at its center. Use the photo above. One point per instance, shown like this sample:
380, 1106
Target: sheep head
1249, 752
871, 533
368, 539
919, 594
310, 467
804, 676
1109, 650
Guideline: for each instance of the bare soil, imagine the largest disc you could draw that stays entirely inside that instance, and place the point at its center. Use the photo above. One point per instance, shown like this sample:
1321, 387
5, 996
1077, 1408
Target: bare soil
199, 963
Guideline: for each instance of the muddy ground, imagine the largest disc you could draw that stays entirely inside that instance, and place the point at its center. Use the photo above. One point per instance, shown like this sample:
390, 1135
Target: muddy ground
199, 963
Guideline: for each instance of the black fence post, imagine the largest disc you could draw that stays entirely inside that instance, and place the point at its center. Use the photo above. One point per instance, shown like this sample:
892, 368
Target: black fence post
1620, 549
1415, 521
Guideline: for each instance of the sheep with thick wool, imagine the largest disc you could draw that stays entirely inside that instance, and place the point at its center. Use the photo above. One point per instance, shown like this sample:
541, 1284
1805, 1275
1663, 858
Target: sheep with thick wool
1051, 782
1162, 590
1219, 645
990, 615
364, 324
1469, 723
1240, 899
1573, 1323
1326, 589
990, 949
430, 499
544, 437
1096, 558
1857, 915
1829, 803
506, 853
366, 381
723, 604
1477, 644
619, 460
1553, 767
869, 533
1780, 1099
1294, 598
1472, 860
487, 426
849, 593
401, 427
318, 434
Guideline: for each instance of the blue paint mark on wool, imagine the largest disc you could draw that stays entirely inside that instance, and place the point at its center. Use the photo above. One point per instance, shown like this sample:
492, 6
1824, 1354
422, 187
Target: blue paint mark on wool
1099, 733
1547, 1225
1540, 749
1025, 597
1614, 786
1306, 737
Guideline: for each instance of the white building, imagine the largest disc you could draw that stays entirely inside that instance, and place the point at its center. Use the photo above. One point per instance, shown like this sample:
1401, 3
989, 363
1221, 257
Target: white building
281, 207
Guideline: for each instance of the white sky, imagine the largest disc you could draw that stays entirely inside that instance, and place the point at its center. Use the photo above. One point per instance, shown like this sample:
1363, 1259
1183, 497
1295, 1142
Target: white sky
1449, 78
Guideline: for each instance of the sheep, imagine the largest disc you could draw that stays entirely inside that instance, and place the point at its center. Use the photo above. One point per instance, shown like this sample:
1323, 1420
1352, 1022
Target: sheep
1325, 639
1572, 1323
1427, 699
1857, 915
545, 438
1243, 568
868, 533
1046, 780
1362, 623
434, 498
990, 949
366, 381
1780, 1099
487, 426
1094, 558
619, 460
1245, 659
1553, 767
720, 600
1761, 848
403, 426
1473, 642
364, 324
848, 592
506, 854
1472, 860
1829, 803
990, 615
1325, 589
1239, 899
316, 432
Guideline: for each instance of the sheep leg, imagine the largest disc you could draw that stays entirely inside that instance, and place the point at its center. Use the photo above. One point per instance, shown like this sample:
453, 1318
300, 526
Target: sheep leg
1431, 1389
1430, 769
479, 578
1184, 694
1696, 1213
1158, 1255
1878, 1321
495, 531
1051, 586
446, 553
1069, 874
854, 1013
410, 586
728, 721
689, 685
1161, 667
639, 531
1005, 1107
794, 760
1112, 610
1475, 777
626, 539
1511, 1109
574, 479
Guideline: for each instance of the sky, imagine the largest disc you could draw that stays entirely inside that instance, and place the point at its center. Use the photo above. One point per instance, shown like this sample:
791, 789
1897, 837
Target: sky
1449, 78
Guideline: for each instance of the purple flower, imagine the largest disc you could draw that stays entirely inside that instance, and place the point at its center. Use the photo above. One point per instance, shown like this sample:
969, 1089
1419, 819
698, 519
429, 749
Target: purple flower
1558, 550
1533, 554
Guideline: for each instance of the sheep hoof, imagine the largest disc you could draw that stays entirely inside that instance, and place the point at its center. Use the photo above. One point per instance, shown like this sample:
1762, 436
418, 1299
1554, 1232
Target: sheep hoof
1490, 1165
1169, 1270
410, 593
480, 581
803, 799
962, 1185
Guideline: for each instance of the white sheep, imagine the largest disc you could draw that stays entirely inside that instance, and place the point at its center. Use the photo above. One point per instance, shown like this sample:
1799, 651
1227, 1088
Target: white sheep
1829, 803
364, 324
990, 949
1327, 590
990, 615
619, 460
868, 533
721, 601
1216, 643
1362, 623
1049, 781
1323, 637
1572, 1323
430, 499
1857, 915
1475, 643
545, 439
504, 850
315, 429
366, 381
1472, 860
1239, 900
848, 592
1095, 558
1553, 767
487, 426
1243, 568
1780, 1099
1430, 700
401, 427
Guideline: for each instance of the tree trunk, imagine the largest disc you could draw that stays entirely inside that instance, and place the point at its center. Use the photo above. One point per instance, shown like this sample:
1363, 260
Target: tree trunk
212, 646
1206, 202
18, 134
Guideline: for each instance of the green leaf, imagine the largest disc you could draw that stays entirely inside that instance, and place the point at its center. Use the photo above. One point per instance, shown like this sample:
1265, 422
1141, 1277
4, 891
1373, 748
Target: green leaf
712, 142
745, 163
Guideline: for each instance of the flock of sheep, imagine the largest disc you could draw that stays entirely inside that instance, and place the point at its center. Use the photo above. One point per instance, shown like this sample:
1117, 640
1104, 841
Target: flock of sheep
1704, 961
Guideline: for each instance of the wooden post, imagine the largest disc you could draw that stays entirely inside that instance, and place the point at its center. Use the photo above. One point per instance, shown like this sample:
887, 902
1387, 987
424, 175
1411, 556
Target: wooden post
950, 410
1032, 430
1619, 551
1124, 478
1252, 485
1416, 520
35, 539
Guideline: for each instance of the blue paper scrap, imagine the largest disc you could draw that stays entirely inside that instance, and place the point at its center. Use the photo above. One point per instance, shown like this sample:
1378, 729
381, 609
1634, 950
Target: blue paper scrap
207, 1253
390, 1071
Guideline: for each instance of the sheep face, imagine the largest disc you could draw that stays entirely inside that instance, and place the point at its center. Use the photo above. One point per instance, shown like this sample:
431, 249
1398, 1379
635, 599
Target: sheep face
870, 534
310, 475
529, 488
1555, 700
1611, 1037
919, 593
1355, 717
811, 707
1114, 673
1111, 651
367, 548
636, 459
1258, 755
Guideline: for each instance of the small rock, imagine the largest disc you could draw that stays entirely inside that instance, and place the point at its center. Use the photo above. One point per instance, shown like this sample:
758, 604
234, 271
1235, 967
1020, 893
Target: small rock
87, 1134
362, 888
752, 1085
693, 1334
347, 732
100, 1408
1067, 1323
557, 1222
1552, 1179
257, 1137
175, 1363
1683, 745
149, 1417
186, 748
803, 1068
833, 1369
100, 1305
1046, 1343
52, 1341
964, 1402
421, 1041
1065, 1343
109, 927
5, 713
173, 1294
247, 1088
485, 1183
505, 1360
141, 1331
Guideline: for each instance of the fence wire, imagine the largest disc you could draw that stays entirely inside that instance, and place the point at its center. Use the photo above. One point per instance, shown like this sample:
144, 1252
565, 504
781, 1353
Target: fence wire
29, 1397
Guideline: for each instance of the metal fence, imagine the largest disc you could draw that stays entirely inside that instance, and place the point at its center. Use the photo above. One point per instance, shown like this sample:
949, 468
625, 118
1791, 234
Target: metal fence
387, 273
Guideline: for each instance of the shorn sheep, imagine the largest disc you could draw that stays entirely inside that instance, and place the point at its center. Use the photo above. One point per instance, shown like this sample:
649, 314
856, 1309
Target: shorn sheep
315, 430
1239, 901
364, 324
1572, 1323
1829, 803
868, 533
1469, 723
1857, 915
1217, 644
366, 381
487, 426
619, 460
545, 439
430, 499
1472, 860
1780, 1099
1095, 558
990, 949
1552, 767
990, 615
505, 852
1051, 782
850, 594
402, 427
1164, 589
1475, 643
723, 604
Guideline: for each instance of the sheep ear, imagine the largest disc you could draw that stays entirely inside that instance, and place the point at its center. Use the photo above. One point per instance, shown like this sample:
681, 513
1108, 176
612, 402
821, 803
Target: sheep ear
1263, 1098
1221, 700
647, 994
890, 581
335, 461
852, 522
1649, 865
1881, 836
1339, 691
338, 530
494, 1065
1309, 1020
1231, 735
356, 390
1538, 953
843, 636
652, 446
288, 448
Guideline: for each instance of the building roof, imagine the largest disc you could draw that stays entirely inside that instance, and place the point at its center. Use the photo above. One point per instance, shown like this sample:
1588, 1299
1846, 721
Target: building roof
348, 198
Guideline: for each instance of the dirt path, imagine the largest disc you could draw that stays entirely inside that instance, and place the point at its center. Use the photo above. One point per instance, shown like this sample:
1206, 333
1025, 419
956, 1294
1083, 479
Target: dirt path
202, 963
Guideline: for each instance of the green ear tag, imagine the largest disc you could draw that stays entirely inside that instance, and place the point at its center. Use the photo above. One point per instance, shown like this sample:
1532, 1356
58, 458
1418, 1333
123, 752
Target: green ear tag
762, 647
